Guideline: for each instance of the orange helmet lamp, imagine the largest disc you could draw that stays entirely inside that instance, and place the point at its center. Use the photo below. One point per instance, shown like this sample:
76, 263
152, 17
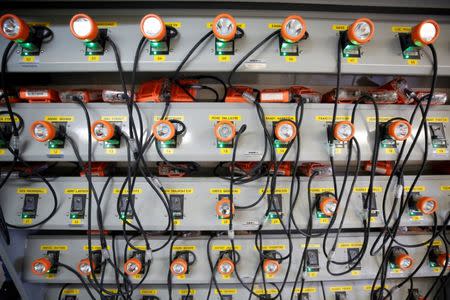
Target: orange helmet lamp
84, 28
293, 29
41, 266
400, 259
422, 205
326, 205
398, 130
359, 33
226, 31
343, 131
224, 208
438, 258
285, 131
85, 267
181, 263
158, 33
423, 34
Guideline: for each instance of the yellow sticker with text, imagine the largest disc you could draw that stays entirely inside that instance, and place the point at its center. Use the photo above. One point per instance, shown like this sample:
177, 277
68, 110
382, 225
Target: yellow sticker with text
71, 291
224, 58
390, 150
107, 24
226, 247
401, 29
148, 292
216, 191
330, 118
28, 59
224, 117
226, 151
179, 191
31, 191
111, 151
125, 191
274, 25
54, 247
352, 60
93, 58
168, 151
59, 118
184, 248
281, 150
76, 221
413, 62
339, 27
290, 59
27, 221
159, 58
173, 24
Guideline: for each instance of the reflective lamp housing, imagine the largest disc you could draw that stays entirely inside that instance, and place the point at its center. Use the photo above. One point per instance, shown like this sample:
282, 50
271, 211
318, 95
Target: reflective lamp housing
132, 266
358, 33
226, 31
292, 31
424, 33
400, 259
15, 29
343, 131
438, 258
179, 266
158, 33
224, 208
84, 267
41, 266
397, 130
225, 131
285, 131
271, 266
422, 205
326, 205
163, 130
84, 28
225, 266
106, 132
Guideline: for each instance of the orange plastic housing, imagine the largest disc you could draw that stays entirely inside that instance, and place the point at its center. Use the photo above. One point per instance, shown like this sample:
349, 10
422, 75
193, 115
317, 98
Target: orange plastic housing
309, 95
169, 171
399, 85
179, 95
97, 169
284, 169
234, 94
38, 95
275, 96
83, 95
152, 91
346, 95
382, 167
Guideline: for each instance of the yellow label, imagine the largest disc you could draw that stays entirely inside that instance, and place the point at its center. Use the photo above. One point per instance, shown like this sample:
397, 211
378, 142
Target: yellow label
168, 151
338, 150
290, 59
352, 60
272, 247
373, 219
136, 191
445, 188
2, 151
50, 276
281, 150
417, 188
279, 118
324, 221
71, 291
339, 27
75, 191
179, 191
390, 150
225, 221
54, 151
59, 118
270, 275
185, 292
437, 269
226, 247
137, 276
54, 248
114, 118
177, 222
356, 273
226, 151
312, 274
31, 191
181, 277
321, 190
275, 221
266, 291
94, 247
277, 191
184, 248
5, 118
413, 62
437, 243
76, 221
178, 118
368, 287
225, 276
441, 151
216, 191
416, 218
224, 117
380, 119
93, 58
115, 291
401, 29
330, 118
240, 25
148, 292
375, 189
396, 271
140, 247
438, 119
226, 291
306, 290
173, 24
44, 24
27, 221
350, 245
274, 25
159, 58
224, 58
28, 59
310, 245
107, 24
346, 288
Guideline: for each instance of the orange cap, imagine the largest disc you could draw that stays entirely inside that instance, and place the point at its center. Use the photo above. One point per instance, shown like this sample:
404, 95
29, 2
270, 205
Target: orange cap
219, 204
46, 264
269, 264
285, 139
392, 130
153, 36
85, 261
51, 131
89, 36
399, 261
225, 261
442, 258
109, 130
421, 205
135, 263
338, 126
24, 29
418, 39
351, 31
178, 261
289, 37
163, 137
324, 202
221, 36
218, 134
